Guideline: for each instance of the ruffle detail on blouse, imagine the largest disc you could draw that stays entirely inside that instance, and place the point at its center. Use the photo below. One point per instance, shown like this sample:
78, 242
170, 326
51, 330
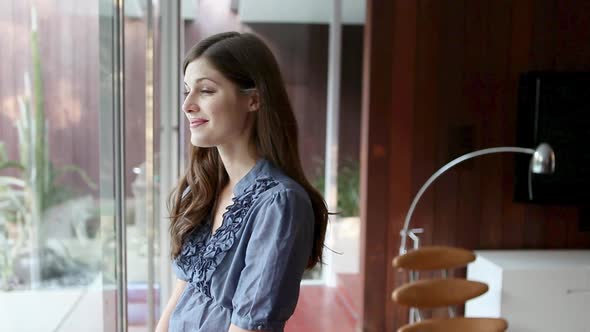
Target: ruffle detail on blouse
189, 253
200, 257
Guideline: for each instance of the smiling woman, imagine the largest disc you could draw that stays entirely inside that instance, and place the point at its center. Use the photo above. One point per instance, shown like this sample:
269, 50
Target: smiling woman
246, 222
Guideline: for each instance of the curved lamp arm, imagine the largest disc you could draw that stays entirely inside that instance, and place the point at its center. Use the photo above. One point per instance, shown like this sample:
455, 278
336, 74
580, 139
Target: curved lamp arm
543, 161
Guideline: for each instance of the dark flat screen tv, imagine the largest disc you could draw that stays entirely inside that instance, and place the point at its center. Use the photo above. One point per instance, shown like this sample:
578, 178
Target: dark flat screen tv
554, 107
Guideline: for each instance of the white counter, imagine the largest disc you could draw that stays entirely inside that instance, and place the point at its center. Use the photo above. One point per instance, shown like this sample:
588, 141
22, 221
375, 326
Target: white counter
534, 290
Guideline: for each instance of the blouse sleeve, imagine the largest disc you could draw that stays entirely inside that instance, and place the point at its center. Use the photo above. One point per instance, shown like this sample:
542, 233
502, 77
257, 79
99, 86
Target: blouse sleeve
276, 257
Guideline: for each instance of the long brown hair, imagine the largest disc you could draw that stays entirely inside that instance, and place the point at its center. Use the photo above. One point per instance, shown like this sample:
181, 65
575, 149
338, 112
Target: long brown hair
245, 60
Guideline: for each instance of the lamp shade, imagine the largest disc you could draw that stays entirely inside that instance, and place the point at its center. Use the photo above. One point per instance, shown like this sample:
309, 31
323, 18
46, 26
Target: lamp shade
543, 161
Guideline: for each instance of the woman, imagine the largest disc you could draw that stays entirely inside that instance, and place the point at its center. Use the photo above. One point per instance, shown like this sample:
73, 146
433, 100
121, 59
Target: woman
246, 223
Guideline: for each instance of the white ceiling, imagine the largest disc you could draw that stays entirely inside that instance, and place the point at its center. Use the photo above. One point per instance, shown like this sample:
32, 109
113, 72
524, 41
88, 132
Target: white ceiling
299, 11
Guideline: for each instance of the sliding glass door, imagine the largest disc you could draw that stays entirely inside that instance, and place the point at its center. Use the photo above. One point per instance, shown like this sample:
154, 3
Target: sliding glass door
79, 166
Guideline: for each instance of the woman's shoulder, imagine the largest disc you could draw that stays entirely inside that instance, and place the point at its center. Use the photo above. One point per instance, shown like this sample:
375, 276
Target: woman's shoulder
283, 186
268, 184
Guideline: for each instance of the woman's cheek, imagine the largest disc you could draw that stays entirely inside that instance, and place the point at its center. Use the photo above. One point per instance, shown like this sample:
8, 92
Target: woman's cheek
212, 106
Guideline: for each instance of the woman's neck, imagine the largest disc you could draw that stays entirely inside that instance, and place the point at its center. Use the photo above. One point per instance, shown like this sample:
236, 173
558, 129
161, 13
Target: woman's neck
237, 162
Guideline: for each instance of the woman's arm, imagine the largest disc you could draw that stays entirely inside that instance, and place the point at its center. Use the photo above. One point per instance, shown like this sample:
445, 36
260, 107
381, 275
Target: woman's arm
279, 247
176, 292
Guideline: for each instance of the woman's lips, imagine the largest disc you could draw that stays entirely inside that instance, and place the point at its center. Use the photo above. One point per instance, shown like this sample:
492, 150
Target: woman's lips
197, 122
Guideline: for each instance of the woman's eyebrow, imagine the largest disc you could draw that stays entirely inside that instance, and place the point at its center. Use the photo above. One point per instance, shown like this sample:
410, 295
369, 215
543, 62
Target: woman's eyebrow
201, 79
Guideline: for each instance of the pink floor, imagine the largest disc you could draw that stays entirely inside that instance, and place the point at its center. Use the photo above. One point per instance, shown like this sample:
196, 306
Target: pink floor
326, 309
320, 308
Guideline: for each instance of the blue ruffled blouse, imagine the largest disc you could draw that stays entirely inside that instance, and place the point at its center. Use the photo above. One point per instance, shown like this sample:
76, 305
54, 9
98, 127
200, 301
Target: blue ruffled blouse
248, 272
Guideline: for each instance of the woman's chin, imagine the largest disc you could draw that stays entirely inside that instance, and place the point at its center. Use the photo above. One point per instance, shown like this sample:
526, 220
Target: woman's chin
201, 143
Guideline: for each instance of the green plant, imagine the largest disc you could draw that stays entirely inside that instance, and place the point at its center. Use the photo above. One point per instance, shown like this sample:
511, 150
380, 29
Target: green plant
348, 187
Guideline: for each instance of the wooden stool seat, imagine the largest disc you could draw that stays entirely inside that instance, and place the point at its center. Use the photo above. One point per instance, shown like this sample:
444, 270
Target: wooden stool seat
438, 292
461, 324
434, 258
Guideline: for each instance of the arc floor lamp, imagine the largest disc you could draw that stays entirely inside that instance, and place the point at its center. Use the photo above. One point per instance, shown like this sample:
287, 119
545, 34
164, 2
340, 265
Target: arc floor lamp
542, 162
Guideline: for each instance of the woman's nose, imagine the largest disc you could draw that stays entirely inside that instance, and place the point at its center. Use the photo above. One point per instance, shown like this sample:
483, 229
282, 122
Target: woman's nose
188, 106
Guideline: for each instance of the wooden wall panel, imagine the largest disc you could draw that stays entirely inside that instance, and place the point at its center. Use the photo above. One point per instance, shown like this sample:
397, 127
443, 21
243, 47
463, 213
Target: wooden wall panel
403, 84
69, 47
453, 83
68, 44
375, 160
513, 215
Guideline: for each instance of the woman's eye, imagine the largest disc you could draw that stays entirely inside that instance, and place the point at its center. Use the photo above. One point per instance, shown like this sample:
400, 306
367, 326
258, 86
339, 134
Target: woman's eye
206, 91
185, 93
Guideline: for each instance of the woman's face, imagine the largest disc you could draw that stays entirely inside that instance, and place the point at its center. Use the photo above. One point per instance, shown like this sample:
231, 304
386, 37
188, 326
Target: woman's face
218, 112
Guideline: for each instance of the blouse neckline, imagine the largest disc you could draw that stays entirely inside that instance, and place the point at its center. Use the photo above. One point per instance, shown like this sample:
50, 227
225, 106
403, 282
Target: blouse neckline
247, 180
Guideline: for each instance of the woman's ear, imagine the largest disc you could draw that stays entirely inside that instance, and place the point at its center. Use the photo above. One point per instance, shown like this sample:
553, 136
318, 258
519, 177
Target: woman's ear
253, 100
